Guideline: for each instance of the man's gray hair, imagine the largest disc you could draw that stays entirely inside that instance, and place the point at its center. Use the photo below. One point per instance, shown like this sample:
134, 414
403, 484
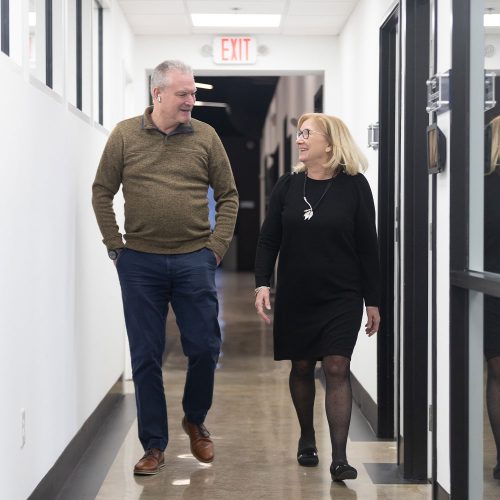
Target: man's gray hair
159, 77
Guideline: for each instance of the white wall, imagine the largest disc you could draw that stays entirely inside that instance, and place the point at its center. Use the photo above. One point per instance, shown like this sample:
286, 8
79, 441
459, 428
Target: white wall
293, 97
61, 327
358, 75
493, 61
443, 269
287, 55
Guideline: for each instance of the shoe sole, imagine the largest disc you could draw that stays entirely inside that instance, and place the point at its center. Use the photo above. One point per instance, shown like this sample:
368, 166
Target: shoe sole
308, 462
202, 460
152, 473
345, 475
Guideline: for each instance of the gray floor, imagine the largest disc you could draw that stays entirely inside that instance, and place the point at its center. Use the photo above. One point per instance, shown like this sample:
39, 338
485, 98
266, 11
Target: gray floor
254, 428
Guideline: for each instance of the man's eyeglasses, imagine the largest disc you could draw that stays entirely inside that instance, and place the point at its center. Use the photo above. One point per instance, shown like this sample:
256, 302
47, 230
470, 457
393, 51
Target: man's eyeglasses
304, 133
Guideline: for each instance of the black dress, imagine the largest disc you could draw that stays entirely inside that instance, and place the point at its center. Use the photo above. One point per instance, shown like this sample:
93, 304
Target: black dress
327, 265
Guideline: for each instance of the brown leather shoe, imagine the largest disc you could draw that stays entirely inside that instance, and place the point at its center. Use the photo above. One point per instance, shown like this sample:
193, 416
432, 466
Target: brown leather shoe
201, 445
151, 463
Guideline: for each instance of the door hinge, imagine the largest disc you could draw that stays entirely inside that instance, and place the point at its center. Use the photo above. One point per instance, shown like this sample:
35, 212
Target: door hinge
430, 418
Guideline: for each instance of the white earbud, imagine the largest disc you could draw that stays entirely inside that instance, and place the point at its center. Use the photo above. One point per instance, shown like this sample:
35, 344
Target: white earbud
328, 149
158, 98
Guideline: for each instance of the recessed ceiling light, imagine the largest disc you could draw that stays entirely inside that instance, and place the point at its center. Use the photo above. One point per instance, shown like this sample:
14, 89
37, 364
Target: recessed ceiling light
236, 20
492, 20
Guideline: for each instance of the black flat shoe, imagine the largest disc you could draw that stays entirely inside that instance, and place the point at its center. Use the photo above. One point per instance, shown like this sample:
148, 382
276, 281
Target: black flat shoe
342, 472
308, 457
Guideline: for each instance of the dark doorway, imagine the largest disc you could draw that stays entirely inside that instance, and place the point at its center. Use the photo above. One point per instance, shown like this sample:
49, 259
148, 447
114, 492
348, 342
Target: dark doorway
287, 142
237, 107
318, 100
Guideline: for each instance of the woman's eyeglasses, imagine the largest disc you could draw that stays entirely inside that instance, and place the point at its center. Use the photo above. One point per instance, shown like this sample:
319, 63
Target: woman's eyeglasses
304, 133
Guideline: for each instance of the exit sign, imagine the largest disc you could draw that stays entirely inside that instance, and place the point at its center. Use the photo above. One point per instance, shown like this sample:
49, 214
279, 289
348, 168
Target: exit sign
235, 50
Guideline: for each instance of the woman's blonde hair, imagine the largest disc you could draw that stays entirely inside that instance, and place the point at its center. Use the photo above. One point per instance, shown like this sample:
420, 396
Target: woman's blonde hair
345, 155
494, 151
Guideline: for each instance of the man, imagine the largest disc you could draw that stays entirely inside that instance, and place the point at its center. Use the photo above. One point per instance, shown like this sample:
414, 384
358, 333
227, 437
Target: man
165, 162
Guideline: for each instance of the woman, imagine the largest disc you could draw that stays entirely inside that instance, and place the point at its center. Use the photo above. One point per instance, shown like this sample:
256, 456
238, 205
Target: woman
321, 220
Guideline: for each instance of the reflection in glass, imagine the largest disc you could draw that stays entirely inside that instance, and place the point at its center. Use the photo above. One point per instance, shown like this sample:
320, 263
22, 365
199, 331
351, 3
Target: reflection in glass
492, 304
32, 34
36, 40
492, 197
97, 53
492, 431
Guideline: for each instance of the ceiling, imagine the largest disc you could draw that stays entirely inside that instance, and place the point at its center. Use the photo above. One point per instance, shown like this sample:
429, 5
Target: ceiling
492, 7
299, 17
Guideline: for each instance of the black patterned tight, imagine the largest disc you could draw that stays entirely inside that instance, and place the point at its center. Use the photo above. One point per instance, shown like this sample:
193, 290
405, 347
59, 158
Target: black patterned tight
338, 401
338, 404
303, 391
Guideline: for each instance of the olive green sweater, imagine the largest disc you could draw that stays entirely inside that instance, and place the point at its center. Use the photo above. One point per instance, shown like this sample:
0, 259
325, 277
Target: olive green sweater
165, 179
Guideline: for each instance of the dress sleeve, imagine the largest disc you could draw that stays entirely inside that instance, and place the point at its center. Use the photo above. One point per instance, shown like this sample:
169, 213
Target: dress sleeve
269, 241
367, 242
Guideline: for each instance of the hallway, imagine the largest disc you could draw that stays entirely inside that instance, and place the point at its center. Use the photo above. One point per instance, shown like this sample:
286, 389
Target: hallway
254, 428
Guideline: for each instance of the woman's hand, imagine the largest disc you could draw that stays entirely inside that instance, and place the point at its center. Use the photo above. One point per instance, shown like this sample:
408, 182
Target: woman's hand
373, 322
262, 301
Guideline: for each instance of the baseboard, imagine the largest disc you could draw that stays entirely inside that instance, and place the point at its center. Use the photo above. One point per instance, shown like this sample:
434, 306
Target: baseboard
54, 481
439, 493
366, 404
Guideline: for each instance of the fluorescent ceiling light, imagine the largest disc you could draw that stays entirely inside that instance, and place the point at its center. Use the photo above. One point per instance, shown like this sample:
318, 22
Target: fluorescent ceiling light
492, 20
212, 104
236, 20
207, 86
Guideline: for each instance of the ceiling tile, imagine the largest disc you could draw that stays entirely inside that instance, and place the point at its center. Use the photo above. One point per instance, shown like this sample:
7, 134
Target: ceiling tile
168, 22
321, 8
153, 7
493, 4
306, 21
160, 30
301, 17
227, 7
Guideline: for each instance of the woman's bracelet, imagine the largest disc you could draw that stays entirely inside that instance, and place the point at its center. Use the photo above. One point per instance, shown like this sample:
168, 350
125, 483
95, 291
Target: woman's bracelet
259, 288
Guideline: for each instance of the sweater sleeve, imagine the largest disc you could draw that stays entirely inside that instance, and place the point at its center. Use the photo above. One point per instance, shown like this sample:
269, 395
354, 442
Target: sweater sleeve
106, 184
367, 242
269, 242
226, 198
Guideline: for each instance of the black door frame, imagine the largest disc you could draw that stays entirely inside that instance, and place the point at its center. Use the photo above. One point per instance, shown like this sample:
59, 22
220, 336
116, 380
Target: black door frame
5, 35
389, 135
412, 446
459, 235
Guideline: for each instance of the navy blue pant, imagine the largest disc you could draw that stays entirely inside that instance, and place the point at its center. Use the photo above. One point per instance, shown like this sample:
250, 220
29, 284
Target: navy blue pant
149, 282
